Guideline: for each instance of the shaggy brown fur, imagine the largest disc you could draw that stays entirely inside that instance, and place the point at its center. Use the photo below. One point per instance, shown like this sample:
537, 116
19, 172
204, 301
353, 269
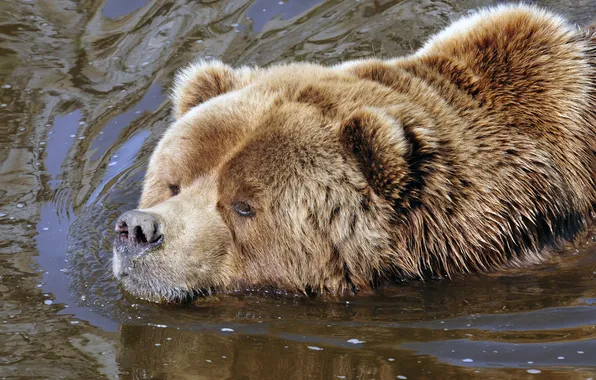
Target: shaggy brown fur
476, 152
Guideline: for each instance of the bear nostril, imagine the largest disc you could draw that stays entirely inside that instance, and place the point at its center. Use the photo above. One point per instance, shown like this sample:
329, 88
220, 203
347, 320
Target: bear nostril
140, 235
138, 230
122, 230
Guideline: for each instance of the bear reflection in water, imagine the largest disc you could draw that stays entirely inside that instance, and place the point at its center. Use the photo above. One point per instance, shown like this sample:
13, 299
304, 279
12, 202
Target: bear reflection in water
473, 154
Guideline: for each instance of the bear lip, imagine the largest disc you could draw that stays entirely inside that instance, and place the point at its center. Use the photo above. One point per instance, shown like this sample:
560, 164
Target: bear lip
134, 252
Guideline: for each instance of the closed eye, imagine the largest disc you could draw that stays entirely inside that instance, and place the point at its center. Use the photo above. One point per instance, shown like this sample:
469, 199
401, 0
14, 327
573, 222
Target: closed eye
174, 190
243, 209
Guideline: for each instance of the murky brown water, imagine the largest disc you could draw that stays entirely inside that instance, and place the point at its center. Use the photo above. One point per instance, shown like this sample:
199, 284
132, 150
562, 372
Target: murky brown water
83, 89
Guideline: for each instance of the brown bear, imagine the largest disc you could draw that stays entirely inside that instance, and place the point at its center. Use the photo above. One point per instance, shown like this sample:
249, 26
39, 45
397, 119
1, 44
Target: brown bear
475, 153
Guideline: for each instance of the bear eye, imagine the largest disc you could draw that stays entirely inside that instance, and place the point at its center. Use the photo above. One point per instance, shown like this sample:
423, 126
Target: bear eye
243, 209
174, 190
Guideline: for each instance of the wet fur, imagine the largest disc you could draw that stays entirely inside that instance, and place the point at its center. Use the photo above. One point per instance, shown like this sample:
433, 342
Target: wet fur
475, 153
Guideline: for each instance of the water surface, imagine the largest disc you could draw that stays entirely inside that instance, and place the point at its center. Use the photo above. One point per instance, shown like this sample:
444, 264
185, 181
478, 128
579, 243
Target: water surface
83, 99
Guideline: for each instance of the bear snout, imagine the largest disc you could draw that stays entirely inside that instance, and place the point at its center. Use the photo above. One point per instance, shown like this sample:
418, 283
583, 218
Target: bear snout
138, 232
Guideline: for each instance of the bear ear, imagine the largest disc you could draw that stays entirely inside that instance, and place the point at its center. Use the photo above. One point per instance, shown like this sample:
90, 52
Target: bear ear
203, 80
376, 141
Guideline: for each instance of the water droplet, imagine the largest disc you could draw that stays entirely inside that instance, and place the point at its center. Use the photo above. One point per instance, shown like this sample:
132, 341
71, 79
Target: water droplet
561, 357
391, 359
533, 371
74, 322
468, 360
227, 329
401, 377
20, 205
48, 302
45, 228
157, 344
314, 348
580, 352
6, 86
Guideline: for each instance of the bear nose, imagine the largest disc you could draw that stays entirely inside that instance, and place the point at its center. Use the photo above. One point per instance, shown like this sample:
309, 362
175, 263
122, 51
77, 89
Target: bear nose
138, 228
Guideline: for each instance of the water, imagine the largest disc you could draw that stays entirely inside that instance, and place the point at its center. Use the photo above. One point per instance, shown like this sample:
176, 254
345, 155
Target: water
83, 99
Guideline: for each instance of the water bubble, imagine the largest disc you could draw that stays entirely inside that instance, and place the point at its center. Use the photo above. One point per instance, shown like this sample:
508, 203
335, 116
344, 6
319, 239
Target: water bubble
6, 86
45, 228
227, 329
401, 377
314, 348
2, 215
73, 135
468, 360
48, 302
355, 341
391, 359
533, 371
74, 322
580, 352
20, 205
561, 357
208, 361
3, 105
157, 344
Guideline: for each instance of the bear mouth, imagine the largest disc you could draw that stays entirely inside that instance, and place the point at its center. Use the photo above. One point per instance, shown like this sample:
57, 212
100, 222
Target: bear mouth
127, 256
134, 251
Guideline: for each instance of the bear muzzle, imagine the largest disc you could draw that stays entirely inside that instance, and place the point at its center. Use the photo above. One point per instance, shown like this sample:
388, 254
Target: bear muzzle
138, 234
